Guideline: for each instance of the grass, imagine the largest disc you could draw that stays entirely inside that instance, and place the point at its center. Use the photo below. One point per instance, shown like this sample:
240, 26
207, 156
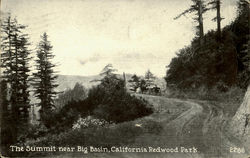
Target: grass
234, 94
114, 135
229, 101
140, 132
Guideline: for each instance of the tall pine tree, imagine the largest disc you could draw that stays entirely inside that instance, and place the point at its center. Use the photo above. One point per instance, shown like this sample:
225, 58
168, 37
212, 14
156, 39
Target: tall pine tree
216, 4
199, 8
15, 58
14, 81
24, 72
45, 78
149, 78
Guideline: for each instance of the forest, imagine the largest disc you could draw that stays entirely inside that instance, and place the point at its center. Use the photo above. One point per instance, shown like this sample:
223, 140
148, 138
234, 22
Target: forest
215, 64
217, 60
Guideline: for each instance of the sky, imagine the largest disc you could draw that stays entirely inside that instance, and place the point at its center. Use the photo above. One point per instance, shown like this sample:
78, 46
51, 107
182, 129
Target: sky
132, 35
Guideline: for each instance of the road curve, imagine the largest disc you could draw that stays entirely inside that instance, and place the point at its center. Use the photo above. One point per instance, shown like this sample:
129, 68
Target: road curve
199, 125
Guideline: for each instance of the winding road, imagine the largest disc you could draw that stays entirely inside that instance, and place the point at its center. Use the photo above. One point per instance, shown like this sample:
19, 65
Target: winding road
197, 126
200, 126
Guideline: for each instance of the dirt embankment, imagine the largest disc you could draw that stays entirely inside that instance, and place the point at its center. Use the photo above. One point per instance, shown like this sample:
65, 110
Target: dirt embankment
240, 124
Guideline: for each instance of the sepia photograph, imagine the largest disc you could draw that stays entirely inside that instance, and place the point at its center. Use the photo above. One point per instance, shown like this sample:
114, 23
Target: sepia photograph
125, 78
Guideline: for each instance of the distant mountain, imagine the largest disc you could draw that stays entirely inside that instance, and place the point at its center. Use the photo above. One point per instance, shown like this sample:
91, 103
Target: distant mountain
68, 81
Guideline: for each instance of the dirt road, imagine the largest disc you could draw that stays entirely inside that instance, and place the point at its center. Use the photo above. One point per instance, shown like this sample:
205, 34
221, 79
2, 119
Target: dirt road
195, 129
201, 127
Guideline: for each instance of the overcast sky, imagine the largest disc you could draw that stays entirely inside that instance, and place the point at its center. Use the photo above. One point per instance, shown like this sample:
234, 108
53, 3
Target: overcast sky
133, 35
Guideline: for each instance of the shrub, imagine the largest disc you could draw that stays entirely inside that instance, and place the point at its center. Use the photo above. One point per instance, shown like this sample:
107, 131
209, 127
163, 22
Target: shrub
119, 134
89, 122
35, 131
110, 101
77, 93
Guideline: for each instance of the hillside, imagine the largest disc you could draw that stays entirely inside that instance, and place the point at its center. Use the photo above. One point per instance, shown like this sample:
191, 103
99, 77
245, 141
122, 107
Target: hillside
217, 63
68, 81
240, 122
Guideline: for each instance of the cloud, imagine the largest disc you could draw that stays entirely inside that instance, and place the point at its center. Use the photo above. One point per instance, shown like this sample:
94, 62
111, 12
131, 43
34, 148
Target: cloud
94, 58
133, 35
82, 62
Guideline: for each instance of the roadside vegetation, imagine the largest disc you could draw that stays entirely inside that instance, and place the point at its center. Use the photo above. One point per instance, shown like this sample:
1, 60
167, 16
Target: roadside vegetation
215, 65
91, 131
108, 110
109, 101
77, 93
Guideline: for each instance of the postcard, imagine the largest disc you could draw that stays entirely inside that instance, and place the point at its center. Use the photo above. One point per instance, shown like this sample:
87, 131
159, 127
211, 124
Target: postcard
125, 78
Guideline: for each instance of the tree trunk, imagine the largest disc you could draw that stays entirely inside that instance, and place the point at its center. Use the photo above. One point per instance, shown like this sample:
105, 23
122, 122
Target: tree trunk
218, 19
201, 30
